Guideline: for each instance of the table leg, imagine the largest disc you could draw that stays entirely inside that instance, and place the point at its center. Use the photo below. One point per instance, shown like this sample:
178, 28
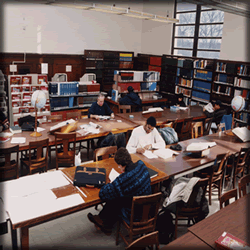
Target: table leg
14, 238
25, 238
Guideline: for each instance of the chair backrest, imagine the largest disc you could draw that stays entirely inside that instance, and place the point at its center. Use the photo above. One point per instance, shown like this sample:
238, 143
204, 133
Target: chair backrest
147, 208
221, 127
224, 199
207, 126
65, 139
105, 152
40, 160
197, 129
222, 159
186, 125
54, 118
202, 183
10, 168
125, 108
242, 159
168, 124
242, 185
73, 115
227, 120
151, 239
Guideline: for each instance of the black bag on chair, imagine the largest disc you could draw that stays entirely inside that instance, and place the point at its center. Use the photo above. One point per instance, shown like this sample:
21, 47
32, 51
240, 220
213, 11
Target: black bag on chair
27, 123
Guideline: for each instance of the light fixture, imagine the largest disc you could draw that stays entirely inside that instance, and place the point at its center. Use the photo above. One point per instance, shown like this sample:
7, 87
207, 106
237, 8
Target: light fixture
116, 10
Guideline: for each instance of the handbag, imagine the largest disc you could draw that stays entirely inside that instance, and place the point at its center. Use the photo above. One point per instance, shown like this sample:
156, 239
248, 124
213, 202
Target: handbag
89, 177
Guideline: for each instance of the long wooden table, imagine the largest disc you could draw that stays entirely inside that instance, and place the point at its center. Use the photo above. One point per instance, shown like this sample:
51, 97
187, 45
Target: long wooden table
92, 198
232, 219
185, 163
167, 115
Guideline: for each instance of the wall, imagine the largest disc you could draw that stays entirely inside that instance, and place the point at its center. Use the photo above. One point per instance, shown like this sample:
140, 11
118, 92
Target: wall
235, 38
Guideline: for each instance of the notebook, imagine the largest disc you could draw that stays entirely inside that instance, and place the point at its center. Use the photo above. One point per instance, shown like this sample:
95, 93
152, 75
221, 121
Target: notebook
15, 129
152, 173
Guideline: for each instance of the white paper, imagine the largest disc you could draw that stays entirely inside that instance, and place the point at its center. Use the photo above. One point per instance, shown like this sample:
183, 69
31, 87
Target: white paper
5, 134
165, 153
61, 124
44, 68
40, 129
209, 107
90, 129
150, 110
95, 125
13, 68
199, 146
119, 120
149, 154
113, 174
18, 140
183, 108
68, 68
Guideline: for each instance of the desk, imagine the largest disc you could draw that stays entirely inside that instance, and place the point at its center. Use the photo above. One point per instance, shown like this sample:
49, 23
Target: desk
145, 102
232, 219
107, 126
194, 111
187, 241
184, 163
92, 198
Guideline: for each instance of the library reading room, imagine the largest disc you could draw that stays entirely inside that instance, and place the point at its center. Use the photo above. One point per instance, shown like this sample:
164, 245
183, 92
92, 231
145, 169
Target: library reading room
124, 124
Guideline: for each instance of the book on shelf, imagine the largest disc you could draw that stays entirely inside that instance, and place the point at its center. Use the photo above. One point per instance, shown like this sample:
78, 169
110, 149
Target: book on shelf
15, 129
229, 242
242, 133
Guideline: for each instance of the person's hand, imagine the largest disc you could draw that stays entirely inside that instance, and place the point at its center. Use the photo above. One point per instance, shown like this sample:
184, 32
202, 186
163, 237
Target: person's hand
147, 147
112, 115
204, 109
140, 150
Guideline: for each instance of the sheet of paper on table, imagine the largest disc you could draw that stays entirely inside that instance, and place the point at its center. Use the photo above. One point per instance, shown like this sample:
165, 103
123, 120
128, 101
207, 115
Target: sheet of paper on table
199, 146
18, 140
149, 154
183, 108
243, 133
90, 129
113, 174
165, 153
40, 129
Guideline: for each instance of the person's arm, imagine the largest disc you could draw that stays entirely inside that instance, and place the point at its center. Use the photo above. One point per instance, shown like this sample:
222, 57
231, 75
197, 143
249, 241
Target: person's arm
108, 110
91, 113
158, 140
132, 144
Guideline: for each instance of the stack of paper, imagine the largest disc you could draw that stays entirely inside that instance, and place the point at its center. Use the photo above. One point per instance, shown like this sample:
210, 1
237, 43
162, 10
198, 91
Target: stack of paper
18, 140
150, 110
165, 153
199, 146
149, 154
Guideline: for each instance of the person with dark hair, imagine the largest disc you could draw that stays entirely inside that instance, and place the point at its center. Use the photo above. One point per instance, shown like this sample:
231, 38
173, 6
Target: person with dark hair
217, 114
118, 195
4, 122
145, 137
100, 108
179, 101
131, 98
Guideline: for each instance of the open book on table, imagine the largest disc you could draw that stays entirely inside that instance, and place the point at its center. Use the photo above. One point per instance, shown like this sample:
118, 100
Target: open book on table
209, 107
199, 146
243, 133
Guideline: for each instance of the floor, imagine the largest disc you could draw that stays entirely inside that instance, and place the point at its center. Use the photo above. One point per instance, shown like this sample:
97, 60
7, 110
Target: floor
75, 231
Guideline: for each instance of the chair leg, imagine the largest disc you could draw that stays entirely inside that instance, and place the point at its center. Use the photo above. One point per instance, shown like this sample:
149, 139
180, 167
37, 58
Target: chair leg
210, 193
176, 224
117, 232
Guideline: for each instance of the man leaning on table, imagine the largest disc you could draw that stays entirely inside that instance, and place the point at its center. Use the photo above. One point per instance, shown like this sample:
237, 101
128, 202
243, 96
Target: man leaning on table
145, 137
133, 181
100, 108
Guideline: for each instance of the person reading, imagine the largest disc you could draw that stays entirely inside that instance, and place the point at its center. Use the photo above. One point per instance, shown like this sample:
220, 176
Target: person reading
179, 101
145, 137
100, 108
131, 98
133, 181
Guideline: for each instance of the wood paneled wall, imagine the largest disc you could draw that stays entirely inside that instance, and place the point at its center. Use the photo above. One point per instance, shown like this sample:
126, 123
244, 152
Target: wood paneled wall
56, 64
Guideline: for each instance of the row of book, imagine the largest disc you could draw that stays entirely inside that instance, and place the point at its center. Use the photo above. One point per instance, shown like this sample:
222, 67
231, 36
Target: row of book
28, 79
203, 64
184, 82
201, 95
221, 66
150, 86
242, 92
203, 74
59, 102
126, 57
64, 88
243, 70
27, 88
224, 78
140, 76
242, 82
186, 92
201, 85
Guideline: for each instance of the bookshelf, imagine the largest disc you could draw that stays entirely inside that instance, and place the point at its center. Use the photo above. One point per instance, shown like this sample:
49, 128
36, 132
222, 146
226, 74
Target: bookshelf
21, 88
147, 62
103, 63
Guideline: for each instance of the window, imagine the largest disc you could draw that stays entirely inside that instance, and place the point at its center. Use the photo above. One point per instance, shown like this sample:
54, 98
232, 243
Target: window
199, 31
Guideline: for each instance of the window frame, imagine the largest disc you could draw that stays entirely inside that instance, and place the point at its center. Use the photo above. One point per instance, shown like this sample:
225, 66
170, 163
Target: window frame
196, 25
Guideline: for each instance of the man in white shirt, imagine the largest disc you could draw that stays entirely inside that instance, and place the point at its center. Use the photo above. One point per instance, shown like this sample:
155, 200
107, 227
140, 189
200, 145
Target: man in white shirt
145, 137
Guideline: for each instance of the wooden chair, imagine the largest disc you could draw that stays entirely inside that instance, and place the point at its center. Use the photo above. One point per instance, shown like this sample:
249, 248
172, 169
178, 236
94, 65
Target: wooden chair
207, 126
192, 209
146, 206
74, 115
168, 124
105, 152
36, 159
224, 199
197, 129
186, 129
241, 163
242, 185
54, 118
124, 108
151, 239
67, 156
9, 168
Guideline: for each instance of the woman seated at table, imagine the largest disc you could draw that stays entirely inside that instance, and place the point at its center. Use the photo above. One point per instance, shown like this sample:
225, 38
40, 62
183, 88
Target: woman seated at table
179, 102
134, 181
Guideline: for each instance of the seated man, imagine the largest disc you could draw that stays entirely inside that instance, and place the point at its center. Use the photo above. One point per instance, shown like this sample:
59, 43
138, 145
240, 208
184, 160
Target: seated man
217, 114
179, 101
4, 122
100, 108
134, 181
131, 98
145, 137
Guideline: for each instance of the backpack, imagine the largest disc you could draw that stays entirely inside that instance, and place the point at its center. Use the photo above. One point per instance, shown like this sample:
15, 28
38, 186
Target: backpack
165, 226
169, 135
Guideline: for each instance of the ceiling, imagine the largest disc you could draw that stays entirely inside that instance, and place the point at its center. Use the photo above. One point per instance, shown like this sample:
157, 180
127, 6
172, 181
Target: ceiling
240, 7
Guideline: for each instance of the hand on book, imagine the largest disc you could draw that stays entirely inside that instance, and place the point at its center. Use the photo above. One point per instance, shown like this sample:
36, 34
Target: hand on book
140, 150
